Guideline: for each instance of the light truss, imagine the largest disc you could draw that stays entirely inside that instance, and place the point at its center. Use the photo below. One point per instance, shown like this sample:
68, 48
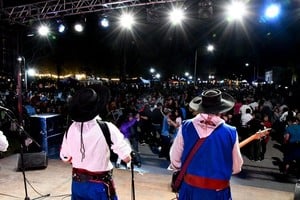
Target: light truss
59, 8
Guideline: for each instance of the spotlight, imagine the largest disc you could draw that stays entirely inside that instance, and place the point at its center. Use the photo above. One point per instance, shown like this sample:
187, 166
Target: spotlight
236, 11
43, 30
205, 9
104, 22
61, 28
272, 11
210, 48
176, 16
78, 27
127, 20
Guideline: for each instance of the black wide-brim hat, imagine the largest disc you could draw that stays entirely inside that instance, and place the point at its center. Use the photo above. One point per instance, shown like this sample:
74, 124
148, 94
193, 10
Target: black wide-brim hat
212, 101
84, 105
104, 96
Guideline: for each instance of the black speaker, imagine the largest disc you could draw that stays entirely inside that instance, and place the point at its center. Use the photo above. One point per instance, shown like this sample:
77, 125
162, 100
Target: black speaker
33, 161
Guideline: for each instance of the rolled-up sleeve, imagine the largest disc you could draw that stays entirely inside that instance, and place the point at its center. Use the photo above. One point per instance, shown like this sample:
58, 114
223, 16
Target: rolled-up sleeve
236, 157
176, 150
64, 151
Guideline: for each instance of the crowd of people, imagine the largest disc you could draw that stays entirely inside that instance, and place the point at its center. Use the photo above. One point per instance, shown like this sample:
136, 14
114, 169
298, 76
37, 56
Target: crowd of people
153, 115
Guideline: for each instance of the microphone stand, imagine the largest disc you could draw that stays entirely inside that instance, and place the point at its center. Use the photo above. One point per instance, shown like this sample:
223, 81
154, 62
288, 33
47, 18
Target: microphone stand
21, 130
133, 154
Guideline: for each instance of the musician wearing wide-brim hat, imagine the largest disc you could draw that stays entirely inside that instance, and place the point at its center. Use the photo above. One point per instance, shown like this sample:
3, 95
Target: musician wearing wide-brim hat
86, 148
209, 170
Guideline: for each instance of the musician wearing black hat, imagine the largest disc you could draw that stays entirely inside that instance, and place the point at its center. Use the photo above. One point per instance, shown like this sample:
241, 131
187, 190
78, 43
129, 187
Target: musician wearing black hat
217, 154
85, 147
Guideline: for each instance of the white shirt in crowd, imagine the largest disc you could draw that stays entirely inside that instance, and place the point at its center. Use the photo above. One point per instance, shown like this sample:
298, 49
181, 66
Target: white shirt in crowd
3, 142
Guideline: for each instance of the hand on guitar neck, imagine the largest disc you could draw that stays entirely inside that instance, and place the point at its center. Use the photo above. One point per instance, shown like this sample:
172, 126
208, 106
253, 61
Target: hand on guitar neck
258, 135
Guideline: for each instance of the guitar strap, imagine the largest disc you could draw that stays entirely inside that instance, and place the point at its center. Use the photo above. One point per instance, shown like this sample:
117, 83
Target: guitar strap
105, 131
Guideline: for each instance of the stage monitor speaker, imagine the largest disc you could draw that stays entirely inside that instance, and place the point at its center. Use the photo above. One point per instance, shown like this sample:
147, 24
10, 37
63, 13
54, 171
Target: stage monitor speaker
33, 161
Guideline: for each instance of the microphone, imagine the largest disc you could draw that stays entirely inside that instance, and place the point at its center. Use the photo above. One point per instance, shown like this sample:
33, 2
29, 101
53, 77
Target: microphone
133, 154
5, 109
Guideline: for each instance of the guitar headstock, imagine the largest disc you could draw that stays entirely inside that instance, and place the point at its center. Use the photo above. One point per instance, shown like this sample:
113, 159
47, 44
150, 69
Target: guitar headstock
260, 134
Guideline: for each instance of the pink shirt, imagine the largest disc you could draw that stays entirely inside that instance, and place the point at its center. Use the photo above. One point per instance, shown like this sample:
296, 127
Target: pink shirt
204, 130
96, 157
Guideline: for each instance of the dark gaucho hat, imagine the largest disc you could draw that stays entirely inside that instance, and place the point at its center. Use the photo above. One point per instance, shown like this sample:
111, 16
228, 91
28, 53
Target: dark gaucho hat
84, 105
212, 101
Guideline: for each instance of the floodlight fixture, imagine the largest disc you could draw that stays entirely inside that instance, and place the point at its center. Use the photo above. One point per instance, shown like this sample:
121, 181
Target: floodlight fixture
205, 9
210, 48
78, 27
104, 22
126, 20
31, 72
61, 28
236, 11
43, 30
152, 70
272, 11
176, 16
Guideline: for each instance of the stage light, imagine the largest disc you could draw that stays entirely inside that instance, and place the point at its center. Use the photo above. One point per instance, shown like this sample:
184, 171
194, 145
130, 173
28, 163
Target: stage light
78, 27
205, 9
176, 16
31, 72
127, 20
210, 48
236, 11
272, 11
43, 30
61, 28
104, 22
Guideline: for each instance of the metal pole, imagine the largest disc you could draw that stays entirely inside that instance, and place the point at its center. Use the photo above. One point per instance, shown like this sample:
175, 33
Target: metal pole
253, 73
195, 67
25, 74
19, 92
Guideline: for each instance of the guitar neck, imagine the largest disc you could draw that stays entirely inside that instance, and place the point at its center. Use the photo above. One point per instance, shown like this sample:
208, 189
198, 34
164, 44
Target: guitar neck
247, 140
256, 136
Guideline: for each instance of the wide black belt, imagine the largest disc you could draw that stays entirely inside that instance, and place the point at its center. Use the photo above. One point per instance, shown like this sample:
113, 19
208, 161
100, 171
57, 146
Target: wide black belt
105, 177
82, 175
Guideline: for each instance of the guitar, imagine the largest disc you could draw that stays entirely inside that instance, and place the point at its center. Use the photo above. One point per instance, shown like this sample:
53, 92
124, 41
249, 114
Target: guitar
258, 135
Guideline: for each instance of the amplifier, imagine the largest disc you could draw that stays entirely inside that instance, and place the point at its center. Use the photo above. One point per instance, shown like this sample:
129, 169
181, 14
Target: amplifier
32, 161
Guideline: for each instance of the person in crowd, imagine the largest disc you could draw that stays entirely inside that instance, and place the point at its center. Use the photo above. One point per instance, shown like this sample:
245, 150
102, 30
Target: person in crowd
244, 107
127, 127
157, 117
236, 117
267, 124
145, 124
85, 147
246, 117
291, 142
3, 142
178, 120
255, 149
209, 171
166, 135
243, 128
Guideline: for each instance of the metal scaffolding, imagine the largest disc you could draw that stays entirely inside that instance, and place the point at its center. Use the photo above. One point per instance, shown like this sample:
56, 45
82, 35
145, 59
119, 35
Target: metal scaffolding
59, 8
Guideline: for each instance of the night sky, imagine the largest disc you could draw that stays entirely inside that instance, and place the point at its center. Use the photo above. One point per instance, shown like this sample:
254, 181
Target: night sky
171, 50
